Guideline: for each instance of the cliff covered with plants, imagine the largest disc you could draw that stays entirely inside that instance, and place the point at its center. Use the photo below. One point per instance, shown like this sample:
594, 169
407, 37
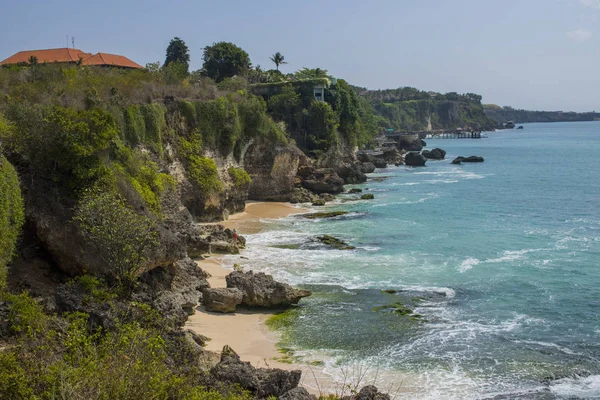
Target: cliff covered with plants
504, 114
410, 109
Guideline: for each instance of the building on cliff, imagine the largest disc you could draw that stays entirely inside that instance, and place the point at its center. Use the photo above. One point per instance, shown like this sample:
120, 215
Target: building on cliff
67, 55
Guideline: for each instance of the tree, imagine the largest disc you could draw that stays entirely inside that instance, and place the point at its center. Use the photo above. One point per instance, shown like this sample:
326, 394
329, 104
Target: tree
177, 51
224, 60
311, 73
123, 238
278, 59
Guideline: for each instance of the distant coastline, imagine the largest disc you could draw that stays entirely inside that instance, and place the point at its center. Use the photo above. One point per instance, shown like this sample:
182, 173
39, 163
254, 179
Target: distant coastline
504, 114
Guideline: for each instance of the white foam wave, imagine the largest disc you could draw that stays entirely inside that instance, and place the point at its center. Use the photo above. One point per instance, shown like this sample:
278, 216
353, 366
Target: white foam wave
429, 196
580, 388
468, 264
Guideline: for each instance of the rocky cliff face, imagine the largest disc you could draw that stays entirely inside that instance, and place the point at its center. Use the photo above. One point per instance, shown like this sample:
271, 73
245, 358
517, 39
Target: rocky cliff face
272, 169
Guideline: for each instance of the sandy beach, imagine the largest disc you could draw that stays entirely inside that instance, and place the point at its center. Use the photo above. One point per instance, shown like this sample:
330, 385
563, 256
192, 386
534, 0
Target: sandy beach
245, 331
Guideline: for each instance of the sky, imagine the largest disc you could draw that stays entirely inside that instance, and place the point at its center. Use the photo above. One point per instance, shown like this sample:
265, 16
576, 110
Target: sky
531, 54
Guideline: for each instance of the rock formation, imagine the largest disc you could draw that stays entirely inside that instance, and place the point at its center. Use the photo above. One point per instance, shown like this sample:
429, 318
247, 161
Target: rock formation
435, 154
261, 290
414, 159
470, 159
223, 300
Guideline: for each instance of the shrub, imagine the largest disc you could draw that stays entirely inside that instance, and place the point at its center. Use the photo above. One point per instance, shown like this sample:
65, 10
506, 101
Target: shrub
239, 177
135, 126
123, 238
203, 172
11, 214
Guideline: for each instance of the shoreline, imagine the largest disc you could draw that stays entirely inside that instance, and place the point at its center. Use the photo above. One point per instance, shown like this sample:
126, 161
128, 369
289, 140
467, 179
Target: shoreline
258, 344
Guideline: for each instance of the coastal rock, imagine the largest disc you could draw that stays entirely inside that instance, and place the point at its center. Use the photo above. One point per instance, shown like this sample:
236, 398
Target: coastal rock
379, 162
298, 393
351, 173
393, 156
174, 291
367, 167
435, 154
335, 242
414, 159
369, 392
223, 300
330, 214
260, 381
272, 169
327, 197
470, 159
302, 195
318, 202
368, 196
261, 290
355, 190
323, 180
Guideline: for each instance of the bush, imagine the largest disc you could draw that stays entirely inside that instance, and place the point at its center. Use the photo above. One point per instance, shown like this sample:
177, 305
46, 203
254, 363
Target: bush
123, 238
11, 214
239, 177
203, 172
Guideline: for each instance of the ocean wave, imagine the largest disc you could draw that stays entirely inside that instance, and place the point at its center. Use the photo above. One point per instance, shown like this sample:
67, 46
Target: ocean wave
580, 388
468, 264
429, 196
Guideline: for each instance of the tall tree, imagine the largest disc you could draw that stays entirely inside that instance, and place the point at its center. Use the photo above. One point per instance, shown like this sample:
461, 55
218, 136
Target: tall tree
224, 60
177, 51
278, 59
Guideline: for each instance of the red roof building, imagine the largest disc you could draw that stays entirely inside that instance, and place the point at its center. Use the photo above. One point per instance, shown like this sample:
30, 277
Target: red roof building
68, 55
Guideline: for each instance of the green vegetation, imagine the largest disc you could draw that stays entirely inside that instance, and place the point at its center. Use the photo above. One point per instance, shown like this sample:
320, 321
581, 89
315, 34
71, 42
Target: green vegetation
329, 214
278, 59
224, 60
239, 177
409, 109
504, 114
123, 238
66, 357
178, 52
203, 171
11, 214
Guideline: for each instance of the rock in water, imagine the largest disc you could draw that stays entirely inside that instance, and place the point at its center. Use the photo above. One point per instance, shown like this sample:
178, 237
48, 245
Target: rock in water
261, 290
368, 196
435, 154
222, 300
367, 167
335, 242
414, 159
330, 214
355, 190
471, 159
379, 162
261, 382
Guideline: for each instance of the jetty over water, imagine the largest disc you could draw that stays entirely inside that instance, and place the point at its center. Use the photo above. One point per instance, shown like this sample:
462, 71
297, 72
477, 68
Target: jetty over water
457, 134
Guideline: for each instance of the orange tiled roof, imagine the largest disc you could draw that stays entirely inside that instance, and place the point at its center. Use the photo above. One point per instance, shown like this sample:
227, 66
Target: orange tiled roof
111, 60
49, 55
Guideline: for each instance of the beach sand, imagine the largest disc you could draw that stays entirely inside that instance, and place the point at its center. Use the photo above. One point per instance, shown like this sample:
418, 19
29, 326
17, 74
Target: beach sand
245, 331
249, 221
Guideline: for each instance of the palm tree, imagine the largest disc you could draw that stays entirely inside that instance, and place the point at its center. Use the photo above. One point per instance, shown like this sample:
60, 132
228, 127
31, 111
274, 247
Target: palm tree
278, 59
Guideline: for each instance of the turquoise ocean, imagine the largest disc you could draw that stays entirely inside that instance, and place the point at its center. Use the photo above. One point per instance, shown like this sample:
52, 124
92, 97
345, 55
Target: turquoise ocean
501, 259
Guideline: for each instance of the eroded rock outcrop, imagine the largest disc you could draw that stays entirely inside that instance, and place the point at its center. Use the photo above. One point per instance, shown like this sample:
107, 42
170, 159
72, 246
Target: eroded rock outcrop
223, 300
261, 290
414, 159
273, 170
435, 154
321, 180
470, 159
260, 381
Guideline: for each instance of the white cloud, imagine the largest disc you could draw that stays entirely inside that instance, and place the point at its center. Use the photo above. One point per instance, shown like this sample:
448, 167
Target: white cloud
579, 35
591, 3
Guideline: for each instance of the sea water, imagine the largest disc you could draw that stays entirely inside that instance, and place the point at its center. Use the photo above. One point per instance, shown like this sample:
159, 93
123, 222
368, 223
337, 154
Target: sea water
500, 259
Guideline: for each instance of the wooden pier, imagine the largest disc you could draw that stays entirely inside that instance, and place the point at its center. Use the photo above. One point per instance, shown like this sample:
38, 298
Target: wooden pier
456, 135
